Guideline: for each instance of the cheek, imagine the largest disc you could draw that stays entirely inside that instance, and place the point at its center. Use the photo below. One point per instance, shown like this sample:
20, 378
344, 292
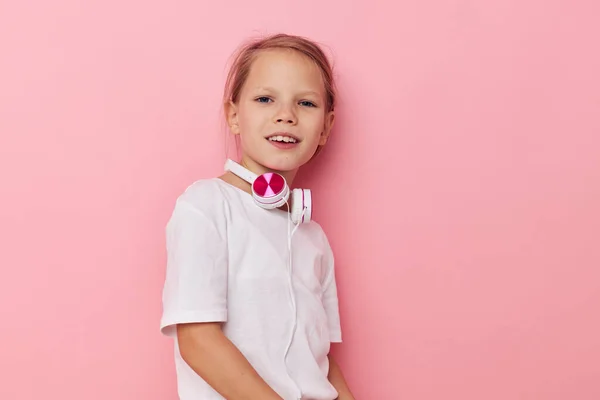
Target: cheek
250, 118
318, 124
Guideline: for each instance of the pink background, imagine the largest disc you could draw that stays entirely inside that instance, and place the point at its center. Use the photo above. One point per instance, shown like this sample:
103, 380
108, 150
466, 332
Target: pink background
460, 190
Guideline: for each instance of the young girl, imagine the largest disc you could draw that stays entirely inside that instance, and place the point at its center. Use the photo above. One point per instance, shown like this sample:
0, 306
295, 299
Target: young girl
250, 292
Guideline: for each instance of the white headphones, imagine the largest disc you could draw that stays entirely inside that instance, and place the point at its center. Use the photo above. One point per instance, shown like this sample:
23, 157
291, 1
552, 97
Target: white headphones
270, 191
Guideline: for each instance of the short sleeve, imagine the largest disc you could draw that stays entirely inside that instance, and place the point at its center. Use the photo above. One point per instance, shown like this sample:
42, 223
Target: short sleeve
195, 287
330, 296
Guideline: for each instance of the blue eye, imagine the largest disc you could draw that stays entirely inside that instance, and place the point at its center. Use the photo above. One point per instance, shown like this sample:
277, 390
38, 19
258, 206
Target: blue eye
263, 99
307, 103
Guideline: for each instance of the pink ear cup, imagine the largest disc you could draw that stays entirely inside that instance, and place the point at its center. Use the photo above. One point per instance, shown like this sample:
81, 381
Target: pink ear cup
268, 184
270, 190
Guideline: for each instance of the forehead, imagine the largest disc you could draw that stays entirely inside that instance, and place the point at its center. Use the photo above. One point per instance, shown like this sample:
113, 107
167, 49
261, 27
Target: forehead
285, 69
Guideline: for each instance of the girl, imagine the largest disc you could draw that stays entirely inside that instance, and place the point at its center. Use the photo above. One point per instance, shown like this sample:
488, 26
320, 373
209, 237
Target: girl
251, 303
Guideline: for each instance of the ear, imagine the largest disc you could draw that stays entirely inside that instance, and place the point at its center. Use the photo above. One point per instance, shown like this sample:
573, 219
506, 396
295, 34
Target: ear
329, 120
232, 117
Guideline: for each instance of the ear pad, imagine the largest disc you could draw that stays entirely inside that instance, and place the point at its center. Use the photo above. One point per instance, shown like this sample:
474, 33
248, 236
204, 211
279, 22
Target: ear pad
301, 202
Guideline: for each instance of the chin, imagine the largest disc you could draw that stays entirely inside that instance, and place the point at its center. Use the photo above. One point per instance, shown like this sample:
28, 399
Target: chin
276, 162
282, 166
281, 161
285, 163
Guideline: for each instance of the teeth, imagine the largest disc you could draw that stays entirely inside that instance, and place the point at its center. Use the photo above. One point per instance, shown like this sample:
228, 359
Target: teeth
280, 138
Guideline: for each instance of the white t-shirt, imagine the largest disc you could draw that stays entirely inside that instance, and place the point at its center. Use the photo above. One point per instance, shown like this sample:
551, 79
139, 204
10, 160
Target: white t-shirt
228, 260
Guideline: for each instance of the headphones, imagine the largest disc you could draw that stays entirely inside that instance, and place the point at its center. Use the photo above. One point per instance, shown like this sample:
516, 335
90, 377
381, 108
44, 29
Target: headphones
270, 191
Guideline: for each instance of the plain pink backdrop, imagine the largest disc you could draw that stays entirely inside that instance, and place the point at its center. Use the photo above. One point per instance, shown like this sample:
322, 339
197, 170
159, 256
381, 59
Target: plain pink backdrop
460, 190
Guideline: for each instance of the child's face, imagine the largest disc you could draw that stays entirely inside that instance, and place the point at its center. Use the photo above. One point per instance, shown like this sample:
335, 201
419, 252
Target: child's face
284, 95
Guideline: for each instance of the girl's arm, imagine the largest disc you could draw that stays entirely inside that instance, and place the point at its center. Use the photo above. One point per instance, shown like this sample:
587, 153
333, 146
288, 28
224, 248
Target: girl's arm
336, 378
218, 361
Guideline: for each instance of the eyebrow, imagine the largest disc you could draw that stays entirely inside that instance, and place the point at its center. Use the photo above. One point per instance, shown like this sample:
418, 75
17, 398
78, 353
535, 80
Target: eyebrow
311, 92
303, 93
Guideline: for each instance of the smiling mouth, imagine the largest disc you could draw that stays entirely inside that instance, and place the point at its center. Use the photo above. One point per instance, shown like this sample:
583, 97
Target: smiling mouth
282, 139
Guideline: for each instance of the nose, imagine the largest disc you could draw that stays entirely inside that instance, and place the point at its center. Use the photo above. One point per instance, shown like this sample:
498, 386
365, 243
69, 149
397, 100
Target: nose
285, 115
289, 121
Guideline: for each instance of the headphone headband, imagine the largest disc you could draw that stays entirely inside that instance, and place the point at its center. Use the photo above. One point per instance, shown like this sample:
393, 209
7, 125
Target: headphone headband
240, 171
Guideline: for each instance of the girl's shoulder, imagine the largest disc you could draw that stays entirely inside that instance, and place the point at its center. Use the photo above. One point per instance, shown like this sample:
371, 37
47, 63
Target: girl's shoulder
203, 195
201, 190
